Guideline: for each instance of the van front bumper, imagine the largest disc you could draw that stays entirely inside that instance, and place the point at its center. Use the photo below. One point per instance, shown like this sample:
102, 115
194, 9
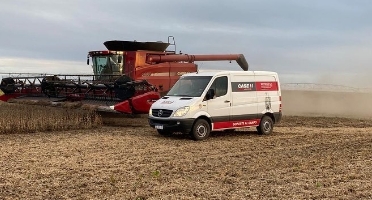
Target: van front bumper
172, 125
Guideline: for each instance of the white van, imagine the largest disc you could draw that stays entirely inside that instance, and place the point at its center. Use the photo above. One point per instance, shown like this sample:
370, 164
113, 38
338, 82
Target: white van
212, 101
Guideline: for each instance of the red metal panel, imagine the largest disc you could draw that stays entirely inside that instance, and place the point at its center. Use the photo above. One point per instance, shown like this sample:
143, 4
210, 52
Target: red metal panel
164, 75
6, 97
267, 86
129, 65
236, 124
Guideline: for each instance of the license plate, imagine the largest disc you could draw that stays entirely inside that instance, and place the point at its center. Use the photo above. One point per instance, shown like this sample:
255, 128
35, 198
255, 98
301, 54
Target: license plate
159, 126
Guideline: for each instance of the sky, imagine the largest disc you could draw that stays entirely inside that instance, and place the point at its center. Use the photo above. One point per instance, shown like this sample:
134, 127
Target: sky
322, 41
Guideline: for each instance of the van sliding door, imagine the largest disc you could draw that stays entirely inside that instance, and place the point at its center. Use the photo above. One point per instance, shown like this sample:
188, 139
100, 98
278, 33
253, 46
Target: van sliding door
244, 101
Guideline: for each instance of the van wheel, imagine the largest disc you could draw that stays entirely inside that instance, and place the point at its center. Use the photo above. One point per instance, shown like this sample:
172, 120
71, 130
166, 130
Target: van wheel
266, 126
200, 130
163, 132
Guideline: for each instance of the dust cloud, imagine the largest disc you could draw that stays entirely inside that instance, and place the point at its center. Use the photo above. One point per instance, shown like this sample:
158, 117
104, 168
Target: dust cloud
351, 79
323, 103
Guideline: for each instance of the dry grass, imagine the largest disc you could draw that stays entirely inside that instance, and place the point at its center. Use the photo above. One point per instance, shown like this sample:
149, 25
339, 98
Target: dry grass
300, 160
23, 118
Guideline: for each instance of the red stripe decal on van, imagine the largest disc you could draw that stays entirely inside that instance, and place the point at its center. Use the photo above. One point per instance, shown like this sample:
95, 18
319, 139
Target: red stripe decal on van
267, 86
254, 86
236, 124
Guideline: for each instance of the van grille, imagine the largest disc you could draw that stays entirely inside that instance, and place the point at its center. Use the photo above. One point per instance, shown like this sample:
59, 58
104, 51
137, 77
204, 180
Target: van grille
161, 112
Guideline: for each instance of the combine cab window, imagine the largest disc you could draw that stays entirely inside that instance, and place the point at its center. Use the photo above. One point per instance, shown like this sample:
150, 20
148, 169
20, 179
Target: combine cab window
107, 65
190, 86
115, 64
100, 65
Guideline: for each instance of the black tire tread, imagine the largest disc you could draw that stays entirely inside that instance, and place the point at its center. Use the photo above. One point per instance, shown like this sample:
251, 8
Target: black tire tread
193, 131
260, 129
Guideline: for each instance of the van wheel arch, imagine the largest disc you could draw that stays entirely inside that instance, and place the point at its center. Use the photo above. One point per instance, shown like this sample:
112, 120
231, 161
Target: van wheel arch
205, 118
271, 115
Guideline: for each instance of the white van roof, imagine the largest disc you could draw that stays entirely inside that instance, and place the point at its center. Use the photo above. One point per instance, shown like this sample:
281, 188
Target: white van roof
222, 72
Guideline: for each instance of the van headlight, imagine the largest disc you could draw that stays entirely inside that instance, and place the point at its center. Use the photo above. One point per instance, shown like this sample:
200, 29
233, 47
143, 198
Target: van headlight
181, 111
150, 112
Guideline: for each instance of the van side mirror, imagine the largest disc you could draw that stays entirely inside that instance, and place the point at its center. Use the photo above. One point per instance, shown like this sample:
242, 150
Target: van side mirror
210, 94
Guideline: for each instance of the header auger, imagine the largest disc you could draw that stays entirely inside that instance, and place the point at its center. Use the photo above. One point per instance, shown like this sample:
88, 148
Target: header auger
127, 77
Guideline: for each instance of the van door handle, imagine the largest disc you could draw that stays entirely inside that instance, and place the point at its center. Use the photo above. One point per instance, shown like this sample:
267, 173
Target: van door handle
227, 101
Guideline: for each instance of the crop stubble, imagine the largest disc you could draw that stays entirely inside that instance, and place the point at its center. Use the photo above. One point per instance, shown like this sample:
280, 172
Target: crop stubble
298, 161
306, 157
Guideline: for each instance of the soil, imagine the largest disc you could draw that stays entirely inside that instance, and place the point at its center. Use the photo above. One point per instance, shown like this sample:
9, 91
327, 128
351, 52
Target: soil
305, 158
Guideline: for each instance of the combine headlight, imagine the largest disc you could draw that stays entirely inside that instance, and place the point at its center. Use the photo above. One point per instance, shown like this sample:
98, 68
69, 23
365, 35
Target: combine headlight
181, 111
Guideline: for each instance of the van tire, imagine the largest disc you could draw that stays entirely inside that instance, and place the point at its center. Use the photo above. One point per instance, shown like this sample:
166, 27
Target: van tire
266, 126
200, 130
163, 132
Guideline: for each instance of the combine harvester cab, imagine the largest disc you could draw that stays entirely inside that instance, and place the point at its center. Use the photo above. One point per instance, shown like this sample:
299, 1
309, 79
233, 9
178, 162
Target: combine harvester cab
127, 77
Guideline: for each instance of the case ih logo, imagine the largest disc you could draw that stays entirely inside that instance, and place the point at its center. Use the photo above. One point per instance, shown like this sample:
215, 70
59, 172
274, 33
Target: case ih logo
254, 86
266, 85
243, 86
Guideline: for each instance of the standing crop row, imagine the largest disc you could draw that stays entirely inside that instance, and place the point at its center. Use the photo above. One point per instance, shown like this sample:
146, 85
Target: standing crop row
21, 118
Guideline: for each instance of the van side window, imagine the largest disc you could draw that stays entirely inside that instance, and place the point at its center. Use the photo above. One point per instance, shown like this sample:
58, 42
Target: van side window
220, 86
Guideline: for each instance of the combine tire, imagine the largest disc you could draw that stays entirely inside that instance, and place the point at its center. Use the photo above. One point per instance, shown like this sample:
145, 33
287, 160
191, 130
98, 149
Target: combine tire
124, 88
200, 130
8, 85
266, 126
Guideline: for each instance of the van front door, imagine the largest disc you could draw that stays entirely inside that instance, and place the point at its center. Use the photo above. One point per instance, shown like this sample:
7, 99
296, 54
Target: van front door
219, 107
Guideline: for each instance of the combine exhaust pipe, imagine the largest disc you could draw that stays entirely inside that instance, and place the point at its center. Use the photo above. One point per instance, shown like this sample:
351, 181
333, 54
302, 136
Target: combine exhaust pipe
239, 58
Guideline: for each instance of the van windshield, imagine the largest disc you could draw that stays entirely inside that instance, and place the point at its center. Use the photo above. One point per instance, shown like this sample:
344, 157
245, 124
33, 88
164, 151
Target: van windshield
190, 86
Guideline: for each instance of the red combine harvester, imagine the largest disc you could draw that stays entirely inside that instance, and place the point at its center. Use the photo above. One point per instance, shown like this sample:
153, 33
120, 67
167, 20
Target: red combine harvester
127, 77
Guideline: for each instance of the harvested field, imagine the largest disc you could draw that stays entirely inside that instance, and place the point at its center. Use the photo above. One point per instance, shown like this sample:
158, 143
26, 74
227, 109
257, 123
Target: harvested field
306, 157
317, 157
